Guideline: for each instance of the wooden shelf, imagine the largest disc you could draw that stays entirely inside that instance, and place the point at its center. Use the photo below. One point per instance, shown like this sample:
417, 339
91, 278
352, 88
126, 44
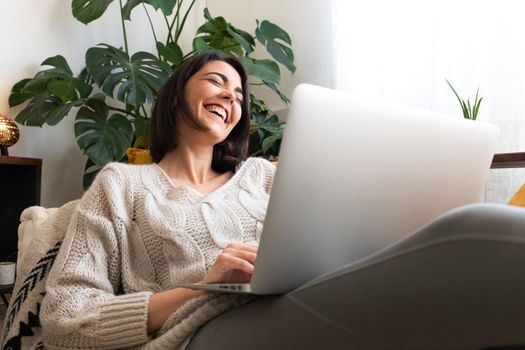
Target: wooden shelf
20, 161
508, 160
20, 189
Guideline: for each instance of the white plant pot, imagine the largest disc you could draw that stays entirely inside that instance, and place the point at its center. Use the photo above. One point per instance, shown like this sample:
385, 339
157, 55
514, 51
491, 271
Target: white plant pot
7, 272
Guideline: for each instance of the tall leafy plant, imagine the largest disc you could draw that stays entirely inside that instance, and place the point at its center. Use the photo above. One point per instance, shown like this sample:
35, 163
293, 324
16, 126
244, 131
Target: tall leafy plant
111, 97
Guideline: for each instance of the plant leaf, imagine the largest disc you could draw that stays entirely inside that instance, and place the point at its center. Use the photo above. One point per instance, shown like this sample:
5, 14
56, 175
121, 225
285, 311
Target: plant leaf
34, 114
217, 34
60, 64
139, 77
166, 6
87, 11
270, 141
59, 80
51, 94
90, 172
172, 53
53, 117
476, 109
141, 127
243, 38
17, 96
266, 70
276, 89
63, 89
200, 45
128, 7
268, 34
103, 137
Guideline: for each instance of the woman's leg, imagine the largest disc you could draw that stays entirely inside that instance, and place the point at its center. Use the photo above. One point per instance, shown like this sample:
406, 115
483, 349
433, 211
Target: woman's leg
459, 283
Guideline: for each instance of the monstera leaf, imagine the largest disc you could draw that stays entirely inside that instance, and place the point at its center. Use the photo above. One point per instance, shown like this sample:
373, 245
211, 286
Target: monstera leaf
139, 78
52, 93
90, 172
166, 6
87, 11
266, 131
274, 39
103, 137
274, 87
171, 53
218, 34
266, 70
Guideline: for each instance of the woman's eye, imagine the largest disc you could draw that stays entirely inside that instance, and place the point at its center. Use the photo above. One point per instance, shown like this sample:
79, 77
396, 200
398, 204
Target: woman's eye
239, 100
215, 82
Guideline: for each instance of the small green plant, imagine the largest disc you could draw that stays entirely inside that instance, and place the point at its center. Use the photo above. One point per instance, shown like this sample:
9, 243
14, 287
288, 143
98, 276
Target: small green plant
469, 112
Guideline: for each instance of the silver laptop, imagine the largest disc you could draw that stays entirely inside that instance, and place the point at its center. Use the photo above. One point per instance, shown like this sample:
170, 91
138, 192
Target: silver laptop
356, 176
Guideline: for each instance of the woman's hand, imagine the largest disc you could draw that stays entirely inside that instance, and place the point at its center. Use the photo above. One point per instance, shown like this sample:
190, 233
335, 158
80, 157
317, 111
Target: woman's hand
234, 264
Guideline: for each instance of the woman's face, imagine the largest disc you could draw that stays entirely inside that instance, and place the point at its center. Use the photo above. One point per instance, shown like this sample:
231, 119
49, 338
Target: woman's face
214, 96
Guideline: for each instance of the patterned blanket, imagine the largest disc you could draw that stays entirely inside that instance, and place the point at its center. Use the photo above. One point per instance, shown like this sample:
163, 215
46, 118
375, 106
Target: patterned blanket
21, 325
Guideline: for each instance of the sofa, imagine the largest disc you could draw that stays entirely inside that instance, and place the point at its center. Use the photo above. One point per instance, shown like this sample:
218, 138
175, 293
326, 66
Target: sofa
457, 283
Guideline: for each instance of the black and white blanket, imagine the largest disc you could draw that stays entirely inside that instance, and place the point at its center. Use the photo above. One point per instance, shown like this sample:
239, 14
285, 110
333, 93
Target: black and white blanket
48, 226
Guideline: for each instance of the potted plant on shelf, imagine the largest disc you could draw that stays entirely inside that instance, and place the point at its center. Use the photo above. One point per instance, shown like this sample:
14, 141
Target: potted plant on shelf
112, 95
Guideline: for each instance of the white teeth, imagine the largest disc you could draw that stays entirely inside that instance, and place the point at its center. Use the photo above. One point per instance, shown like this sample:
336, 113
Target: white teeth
217, 110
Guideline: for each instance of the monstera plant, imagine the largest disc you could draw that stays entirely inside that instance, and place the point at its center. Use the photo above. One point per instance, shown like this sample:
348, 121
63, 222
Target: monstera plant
111, 97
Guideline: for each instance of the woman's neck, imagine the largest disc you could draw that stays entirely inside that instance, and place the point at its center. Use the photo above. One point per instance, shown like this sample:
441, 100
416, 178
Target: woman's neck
189, 165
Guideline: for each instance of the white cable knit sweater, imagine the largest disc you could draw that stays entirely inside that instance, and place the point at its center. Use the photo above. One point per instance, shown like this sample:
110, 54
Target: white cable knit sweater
133, 234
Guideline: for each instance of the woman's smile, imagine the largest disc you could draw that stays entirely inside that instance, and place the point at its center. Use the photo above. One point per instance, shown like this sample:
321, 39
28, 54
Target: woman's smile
218, 110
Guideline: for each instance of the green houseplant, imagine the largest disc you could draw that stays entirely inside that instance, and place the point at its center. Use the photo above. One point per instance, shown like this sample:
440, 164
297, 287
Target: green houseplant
469, 112
111, 97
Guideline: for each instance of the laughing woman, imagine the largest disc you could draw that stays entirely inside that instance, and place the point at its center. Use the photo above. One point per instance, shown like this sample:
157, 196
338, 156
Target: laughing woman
195, 215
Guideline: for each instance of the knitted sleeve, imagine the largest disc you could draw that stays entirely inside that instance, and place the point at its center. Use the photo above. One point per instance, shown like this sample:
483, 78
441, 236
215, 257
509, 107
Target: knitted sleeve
82, 308
267, 173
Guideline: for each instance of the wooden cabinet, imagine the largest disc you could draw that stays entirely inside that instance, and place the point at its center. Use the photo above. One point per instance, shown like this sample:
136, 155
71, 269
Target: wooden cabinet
19, 189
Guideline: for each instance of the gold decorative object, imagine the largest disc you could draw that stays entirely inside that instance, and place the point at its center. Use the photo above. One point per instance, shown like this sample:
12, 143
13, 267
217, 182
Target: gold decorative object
9, 133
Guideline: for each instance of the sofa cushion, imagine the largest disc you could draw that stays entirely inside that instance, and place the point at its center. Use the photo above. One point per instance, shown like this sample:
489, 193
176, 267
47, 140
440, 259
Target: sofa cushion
519, 197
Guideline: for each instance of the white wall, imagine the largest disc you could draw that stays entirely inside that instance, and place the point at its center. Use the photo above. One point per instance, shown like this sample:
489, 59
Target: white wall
31, 31
309, 24
404, 53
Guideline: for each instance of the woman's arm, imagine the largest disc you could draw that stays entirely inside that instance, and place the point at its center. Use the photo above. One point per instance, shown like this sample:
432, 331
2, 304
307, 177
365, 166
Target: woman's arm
163, 304
233, 265
82, 308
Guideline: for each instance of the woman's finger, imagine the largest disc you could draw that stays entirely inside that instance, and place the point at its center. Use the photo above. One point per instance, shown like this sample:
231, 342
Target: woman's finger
242, 254
243, 246
226, 263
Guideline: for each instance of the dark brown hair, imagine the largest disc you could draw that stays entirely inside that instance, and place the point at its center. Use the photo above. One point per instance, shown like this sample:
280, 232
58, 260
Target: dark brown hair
171, 108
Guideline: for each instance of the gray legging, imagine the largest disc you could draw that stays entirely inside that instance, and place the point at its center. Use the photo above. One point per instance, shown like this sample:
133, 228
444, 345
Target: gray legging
458, 283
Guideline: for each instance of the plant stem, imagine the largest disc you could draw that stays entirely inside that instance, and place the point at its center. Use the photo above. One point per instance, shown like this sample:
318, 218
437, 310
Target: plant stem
169, 38
188, 54
179, 28
137, 112
151, 25
175, 21
123, 28
144, 111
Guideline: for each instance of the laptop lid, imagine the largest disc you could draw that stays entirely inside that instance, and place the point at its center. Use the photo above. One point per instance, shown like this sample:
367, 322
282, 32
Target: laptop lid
355, 176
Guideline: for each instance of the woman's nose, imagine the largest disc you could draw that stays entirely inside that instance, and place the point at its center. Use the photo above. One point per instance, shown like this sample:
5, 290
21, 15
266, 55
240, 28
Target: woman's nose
228, 94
